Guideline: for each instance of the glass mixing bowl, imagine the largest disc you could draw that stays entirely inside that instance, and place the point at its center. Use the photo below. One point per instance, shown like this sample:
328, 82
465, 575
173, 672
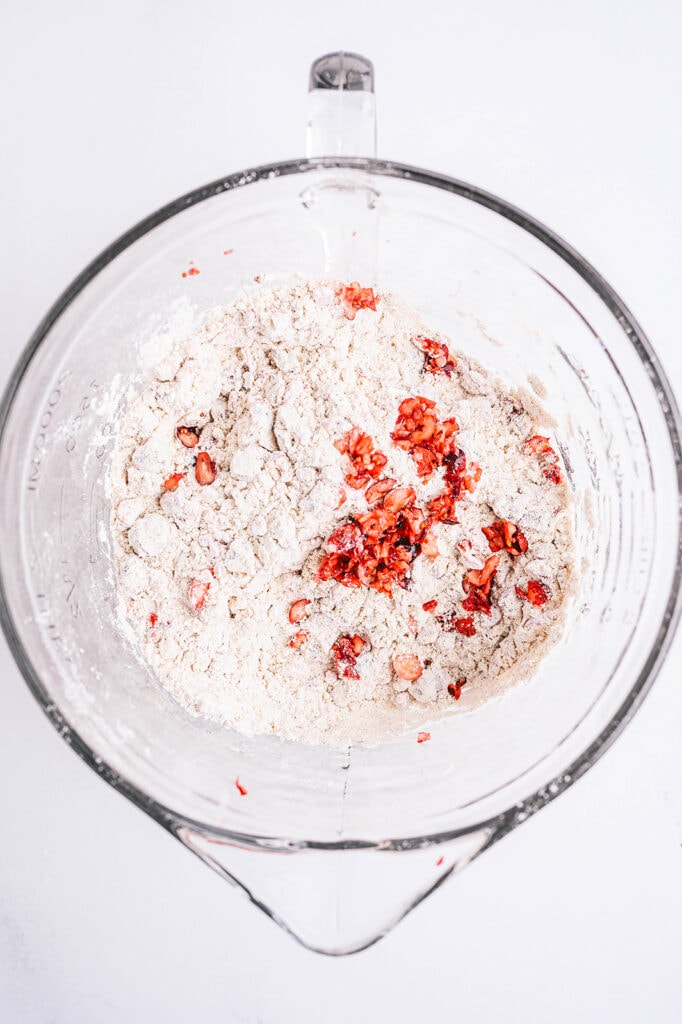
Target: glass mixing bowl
337, 845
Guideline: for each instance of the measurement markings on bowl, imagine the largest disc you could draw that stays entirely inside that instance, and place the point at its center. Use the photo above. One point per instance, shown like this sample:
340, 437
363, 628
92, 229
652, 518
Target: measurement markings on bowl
45, 614
45, 425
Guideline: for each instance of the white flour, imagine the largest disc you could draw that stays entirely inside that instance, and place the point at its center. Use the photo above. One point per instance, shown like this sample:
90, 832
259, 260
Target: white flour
208, 573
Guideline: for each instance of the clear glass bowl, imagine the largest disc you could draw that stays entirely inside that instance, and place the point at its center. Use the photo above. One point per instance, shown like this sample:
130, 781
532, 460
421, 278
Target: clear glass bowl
367, 831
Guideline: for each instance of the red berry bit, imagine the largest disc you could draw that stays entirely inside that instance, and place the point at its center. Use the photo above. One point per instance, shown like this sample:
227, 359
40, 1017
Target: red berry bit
437, 357
241, 789
376, 491
457, 479
407, 667
535, 592
418, 431
549, 460
298, 639
476, 585
354, 298
423, 737
430, 606
298, 610
363, 462
377, 548
470, 479
171, 483
187, 436
199, 588
345, 652
154, 634
455, 689
191, 271
205, 471
452, 624
505, 536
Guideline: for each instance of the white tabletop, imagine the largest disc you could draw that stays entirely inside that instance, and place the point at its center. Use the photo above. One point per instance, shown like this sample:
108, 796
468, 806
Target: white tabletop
571, 111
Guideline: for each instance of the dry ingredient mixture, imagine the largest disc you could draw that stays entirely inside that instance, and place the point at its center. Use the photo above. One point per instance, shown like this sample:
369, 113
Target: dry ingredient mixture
332, 526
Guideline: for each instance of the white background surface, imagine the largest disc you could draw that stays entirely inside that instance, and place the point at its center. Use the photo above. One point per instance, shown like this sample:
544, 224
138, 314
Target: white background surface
571, 111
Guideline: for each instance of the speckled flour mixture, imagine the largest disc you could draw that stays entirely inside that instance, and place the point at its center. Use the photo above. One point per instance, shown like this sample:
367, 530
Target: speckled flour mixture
330, 525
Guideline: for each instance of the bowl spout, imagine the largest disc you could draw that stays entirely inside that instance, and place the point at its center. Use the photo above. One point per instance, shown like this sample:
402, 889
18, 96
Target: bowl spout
336, 900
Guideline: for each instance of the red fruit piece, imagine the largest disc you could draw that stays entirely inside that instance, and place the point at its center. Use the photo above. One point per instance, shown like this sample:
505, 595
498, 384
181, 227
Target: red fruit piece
476, 585
345, 651
298, 610
242, 790
205, 470
346, 539
429, 544
407, 667
470, 479
481, 578
430, 606
363, 462
437, 357
377, 548
354, 297
425, 460
535, 592
399, 499
187, 436
455, 689
453, 624
298, 639
549, 460
505, 536
199, 587
153, 619
537, 445
423, 737
171, 483
376, 491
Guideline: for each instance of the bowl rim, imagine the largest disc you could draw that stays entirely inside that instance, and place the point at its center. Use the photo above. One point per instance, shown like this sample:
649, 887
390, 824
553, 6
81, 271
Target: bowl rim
500, 824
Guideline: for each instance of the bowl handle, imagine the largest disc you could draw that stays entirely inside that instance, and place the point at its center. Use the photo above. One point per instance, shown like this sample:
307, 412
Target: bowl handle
341, 107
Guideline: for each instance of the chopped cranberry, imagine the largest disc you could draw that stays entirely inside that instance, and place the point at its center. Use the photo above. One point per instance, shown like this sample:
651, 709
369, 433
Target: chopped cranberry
407, 667
455, 689
205, 471
505, 536
298, 610
437, 357
171, 483
354, 298
535, 592
188, 436
345, 651
549, 460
